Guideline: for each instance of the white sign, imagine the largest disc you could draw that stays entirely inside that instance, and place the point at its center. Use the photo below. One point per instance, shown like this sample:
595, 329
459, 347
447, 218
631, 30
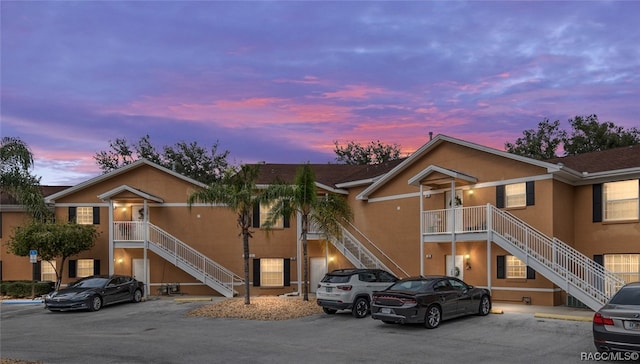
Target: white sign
33, 256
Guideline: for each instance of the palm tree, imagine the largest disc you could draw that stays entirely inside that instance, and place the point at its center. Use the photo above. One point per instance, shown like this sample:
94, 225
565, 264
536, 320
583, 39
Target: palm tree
16, 180
238, 192
325, 212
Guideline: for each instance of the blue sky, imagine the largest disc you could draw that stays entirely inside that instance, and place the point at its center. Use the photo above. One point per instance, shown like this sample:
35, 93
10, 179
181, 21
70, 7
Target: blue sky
280, 81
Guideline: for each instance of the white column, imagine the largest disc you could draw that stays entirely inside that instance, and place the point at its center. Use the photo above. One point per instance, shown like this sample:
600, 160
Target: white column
146, 246
452, 225
111, 246
489, 238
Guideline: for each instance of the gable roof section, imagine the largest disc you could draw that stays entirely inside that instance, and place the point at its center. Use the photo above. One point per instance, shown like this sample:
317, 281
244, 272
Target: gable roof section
442, 175
624, 158
438, 140
119, 171
124, 188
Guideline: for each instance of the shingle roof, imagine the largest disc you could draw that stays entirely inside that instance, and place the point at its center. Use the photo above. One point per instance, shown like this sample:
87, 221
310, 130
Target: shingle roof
6, 199
601, 161
327, 174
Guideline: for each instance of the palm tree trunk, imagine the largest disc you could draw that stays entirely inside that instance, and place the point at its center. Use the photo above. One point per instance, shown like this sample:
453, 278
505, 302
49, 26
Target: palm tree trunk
305, 259
245, 246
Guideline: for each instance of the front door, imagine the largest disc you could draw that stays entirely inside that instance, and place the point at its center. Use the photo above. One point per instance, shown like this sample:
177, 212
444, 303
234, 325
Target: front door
138, 272
458, 271
318, 270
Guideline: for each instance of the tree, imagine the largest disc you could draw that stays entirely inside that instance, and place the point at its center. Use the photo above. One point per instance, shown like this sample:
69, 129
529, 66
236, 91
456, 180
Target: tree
372, 153
326, 212
16, 180
238, 192
188, 159
589, 135
539, 144
53, 240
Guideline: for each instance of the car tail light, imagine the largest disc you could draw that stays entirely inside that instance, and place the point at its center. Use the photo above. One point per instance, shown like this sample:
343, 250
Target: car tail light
345, 287
598, 319
408, 301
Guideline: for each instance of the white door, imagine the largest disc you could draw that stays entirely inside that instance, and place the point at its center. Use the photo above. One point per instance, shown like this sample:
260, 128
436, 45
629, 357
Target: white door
458, 207
459, 272
138, 270
318, 267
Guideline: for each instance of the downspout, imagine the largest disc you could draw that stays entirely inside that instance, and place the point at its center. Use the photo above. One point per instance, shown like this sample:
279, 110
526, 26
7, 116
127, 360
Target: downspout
146, 246
421, 230
111, 245
452, 225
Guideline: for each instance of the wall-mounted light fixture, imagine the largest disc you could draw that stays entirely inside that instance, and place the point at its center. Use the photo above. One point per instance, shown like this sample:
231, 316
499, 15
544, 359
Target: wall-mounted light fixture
120, 260
467, 258
470, 192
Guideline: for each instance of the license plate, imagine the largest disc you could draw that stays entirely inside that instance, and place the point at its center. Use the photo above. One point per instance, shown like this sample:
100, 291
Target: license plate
385, 310
329, 289
632, 325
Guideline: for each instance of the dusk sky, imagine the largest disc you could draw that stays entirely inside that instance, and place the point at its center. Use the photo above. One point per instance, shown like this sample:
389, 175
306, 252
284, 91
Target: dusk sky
280, 81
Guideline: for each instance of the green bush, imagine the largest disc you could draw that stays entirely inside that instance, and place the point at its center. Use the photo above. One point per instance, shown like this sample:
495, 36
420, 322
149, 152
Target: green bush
22, 289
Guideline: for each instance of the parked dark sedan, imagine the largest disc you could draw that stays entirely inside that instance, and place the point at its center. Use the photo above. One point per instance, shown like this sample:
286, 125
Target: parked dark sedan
92, 293
616, 326
429, 300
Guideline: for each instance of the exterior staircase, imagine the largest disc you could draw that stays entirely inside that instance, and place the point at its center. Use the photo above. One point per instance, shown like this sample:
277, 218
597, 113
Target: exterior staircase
181, 255
361, 257
563, 265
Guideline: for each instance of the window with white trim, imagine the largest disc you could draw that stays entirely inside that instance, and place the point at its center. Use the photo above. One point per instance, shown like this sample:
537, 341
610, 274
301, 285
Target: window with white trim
621, 200
271, 272
515, 195
84, 215
48, 270
265, 213
84, 268
515, 267
627, 266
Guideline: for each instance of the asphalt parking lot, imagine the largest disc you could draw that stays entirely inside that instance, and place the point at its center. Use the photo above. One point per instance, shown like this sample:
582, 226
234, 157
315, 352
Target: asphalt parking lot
158, 331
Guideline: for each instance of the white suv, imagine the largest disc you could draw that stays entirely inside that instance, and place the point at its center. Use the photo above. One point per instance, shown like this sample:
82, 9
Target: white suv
351, 289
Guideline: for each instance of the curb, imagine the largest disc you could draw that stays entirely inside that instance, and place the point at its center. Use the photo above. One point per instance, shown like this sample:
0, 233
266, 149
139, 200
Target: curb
22, 302
562, 317
193, 299
496, 311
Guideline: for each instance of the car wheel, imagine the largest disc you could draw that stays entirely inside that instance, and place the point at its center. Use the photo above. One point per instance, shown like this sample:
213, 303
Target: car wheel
329, 311
95, 303
360, 308
433, 317
485, 306
137, 296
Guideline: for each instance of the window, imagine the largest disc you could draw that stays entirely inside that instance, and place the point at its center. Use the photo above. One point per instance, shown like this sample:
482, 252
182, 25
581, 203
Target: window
516, 195
84, 215
265, 213
627, 266
516, 267
271, 272
620, 200
84, 268
48, 270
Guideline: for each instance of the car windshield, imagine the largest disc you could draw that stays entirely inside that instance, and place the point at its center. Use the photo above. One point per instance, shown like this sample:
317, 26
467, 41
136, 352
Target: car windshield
90, 283
627, 296
332, 278
415, 285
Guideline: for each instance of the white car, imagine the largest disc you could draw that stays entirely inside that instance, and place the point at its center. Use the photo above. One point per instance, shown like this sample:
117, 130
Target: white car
351, 289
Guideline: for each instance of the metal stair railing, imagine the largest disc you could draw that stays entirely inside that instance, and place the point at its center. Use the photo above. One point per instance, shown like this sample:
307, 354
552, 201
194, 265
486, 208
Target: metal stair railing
565, 266
193, 262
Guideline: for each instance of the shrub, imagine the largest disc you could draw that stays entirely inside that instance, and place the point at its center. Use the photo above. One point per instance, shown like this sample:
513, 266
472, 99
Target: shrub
22, 289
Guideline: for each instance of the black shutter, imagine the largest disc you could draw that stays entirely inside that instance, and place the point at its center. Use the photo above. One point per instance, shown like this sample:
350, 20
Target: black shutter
597, 202
72, 268
531, 273
501, 267
0, 270
531, 193
499, 197
599, 258
256, 215
37, 269
96, 215
0, 224
256, 272
287, 222
96, 267
72, 214
287, 272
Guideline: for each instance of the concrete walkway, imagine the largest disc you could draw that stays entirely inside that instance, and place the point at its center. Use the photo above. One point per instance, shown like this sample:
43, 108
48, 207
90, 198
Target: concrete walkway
550, 312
